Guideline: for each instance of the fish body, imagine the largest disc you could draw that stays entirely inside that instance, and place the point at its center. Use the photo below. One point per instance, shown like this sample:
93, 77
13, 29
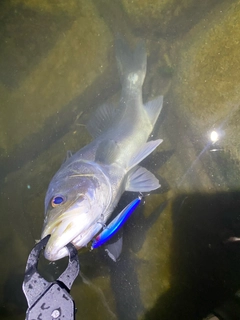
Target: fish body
86, 189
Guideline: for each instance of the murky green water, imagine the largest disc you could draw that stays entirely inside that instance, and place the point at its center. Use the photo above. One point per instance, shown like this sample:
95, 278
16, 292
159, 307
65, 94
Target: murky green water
57, 65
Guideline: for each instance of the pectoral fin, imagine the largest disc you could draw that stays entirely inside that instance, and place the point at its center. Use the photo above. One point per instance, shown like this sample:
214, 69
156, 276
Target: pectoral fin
141, 180
114, 249
69, 154
107, 152
116, 223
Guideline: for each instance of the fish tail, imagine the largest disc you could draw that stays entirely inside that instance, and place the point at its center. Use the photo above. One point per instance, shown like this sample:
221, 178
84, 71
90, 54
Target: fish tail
131, 65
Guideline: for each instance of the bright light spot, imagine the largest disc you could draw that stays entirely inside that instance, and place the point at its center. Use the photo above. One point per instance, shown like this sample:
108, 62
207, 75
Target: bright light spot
214, 136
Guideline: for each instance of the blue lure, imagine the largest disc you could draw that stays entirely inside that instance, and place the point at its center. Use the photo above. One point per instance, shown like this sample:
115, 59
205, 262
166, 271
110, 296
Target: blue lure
116, 224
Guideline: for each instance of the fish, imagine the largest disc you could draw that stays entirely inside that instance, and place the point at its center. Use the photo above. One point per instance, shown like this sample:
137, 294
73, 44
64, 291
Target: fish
88, 186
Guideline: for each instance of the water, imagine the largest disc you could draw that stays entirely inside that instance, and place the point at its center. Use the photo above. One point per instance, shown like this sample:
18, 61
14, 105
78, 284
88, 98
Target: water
57, 65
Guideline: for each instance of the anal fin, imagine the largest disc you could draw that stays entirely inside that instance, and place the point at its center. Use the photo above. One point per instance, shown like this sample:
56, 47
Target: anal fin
153, 109
143, 152
114, 249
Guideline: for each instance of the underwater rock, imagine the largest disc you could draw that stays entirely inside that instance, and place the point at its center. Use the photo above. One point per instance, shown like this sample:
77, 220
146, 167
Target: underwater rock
206, 85
167, 17
47, 74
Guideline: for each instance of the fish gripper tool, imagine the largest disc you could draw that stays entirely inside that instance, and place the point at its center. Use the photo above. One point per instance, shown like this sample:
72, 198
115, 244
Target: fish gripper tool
50, 300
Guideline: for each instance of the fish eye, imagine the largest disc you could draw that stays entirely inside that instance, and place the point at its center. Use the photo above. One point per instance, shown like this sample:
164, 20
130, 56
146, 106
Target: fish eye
57, 200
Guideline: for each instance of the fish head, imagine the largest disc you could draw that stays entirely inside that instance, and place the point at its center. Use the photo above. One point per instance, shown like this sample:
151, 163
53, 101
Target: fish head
74, 207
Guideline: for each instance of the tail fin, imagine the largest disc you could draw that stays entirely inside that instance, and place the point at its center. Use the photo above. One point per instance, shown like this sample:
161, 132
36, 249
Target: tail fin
131, 65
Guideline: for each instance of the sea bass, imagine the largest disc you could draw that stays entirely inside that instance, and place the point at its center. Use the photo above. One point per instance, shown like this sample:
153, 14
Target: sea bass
85, 190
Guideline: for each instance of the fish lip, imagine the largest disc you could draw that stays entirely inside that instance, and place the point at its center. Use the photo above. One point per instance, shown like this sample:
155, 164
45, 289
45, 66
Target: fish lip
62, 231
76, 230
79, 240
54, 251
61, 253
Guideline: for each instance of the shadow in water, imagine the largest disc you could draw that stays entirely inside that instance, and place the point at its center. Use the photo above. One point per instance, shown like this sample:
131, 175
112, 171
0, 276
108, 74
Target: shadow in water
204, 267
124, 278
123, 275
14, 303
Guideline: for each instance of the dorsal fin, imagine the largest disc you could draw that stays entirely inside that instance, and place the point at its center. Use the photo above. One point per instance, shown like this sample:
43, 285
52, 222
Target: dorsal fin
101, 120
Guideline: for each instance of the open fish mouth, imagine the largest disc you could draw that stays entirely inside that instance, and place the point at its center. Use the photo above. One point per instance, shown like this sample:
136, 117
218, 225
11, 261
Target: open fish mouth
62, 234
54, 251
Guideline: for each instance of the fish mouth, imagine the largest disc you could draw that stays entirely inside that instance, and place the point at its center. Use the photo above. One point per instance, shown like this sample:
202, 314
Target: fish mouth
55, 251
56, 247
62, 234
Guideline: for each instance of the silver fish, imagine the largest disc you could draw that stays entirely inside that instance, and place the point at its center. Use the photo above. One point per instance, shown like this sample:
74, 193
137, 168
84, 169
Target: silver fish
86, 189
